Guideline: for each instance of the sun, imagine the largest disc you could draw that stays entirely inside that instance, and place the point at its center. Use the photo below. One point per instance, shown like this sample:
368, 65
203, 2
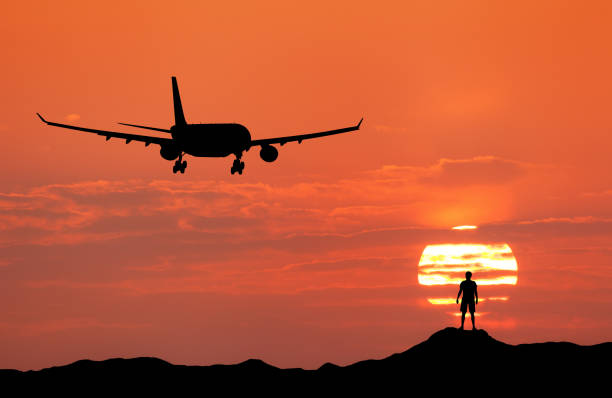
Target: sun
492, 264
446, 264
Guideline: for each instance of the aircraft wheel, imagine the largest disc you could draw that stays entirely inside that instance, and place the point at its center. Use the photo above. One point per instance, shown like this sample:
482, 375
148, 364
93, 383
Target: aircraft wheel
240, 171
174, 169
233, 171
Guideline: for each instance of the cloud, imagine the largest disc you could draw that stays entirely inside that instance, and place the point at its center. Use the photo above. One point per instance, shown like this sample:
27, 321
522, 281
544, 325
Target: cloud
478, 170
72, 117
344, 264
567, 220
120, 207
384, 199
488, 170
259, 237
598, 194
575, 227
62, 325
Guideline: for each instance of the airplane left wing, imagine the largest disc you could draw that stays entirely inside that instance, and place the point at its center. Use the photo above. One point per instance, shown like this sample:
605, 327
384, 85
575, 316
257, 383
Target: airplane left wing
300, 137
112, 134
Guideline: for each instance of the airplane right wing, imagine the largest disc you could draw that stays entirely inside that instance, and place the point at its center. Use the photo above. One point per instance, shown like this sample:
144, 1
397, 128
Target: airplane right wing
300, 137
112, 134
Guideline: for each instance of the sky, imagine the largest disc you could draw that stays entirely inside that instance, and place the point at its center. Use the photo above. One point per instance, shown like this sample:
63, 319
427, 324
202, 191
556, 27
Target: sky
494, 114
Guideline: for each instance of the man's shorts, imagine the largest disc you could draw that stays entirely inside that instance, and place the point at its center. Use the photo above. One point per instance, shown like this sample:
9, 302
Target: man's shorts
465, 303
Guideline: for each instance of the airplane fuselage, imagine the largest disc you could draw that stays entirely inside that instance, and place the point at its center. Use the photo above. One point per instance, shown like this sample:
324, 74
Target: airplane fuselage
211, 139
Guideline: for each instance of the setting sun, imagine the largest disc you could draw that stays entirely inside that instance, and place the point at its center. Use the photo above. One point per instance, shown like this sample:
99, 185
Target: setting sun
446, 264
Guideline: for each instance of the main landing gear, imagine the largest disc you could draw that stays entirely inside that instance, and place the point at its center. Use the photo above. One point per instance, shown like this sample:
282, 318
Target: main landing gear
238, 165
179, 165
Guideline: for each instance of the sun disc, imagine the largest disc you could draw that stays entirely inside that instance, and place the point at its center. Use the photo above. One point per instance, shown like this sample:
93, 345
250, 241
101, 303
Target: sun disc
446, 264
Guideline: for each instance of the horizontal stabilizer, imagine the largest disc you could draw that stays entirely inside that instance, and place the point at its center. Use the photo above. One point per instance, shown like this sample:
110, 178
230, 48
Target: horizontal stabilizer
146, 127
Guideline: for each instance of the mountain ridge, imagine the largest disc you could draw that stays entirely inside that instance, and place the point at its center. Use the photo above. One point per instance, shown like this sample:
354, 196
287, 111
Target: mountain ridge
447, 359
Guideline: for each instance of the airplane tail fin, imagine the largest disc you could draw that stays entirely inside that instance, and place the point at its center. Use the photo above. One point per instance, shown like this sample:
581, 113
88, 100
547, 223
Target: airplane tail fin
179, 116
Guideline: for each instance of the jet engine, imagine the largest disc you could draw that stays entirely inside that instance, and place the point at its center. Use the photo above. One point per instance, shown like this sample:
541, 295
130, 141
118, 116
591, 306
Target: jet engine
169, 152
268, 153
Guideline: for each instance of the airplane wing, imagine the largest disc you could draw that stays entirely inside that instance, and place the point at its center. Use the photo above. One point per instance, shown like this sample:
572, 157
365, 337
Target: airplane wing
300, 137
112, 134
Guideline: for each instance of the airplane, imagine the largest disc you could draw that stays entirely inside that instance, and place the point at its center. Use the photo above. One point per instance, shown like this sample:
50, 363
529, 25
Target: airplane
204, 140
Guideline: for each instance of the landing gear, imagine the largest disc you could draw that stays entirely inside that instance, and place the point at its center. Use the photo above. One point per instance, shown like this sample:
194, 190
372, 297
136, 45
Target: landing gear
179, 165
238, 165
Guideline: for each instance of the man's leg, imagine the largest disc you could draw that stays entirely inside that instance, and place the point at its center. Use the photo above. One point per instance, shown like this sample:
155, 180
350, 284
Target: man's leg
462, 319
473, 320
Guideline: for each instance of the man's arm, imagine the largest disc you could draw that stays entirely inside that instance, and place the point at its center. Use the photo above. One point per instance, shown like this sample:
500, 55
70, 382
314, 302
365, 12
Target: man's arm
459, 294
476, 292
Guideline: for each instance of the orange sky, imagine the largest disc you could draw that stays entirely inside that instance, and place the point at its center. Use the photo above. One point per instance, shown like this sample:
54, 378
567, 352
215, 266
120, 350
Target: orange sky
491, 115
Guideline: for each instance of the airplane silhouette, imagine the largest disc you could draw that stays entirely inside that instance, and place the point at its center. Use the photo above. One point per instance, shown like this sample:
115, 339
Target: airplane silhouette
204, 140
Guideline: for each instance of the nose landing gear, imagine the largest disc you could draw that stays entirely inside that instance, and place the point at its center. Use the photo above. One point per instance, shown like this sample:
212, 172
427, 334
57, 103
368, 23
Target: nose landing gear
179, 165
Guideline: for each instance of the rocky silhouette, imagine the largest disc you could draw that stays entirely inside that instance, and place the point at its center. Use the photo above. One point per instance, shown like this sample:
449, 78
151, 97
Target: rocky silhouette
450, 360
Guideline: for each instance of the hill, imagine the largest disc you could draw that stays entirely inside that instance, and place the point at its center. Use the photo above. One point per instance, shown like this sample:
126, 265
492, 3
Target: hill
450, 360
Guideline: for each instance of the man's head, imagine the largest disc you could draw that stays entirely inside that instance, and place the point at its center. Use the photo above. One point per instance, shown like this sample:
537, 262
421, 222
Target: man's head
468, 275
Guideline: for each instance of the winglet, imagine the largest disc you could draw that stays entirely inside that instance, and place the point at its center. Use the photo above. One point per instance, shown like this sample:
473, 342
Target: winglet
41, 118
359, 124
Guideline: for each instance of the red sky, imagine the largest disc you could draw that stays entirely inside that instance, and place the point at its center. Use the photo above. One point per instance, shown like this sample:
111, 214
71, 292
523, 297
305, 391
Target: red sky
493, 115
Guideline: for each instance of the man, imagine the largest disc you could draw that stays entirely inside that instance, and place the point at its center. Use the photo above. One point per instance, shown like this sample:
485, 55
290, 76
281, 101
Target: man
468, 287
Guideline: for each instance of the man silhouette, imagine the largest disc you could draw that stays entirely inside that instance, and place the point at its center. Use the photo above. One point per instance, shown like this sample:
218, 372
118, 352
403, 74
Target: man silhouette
468, 287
